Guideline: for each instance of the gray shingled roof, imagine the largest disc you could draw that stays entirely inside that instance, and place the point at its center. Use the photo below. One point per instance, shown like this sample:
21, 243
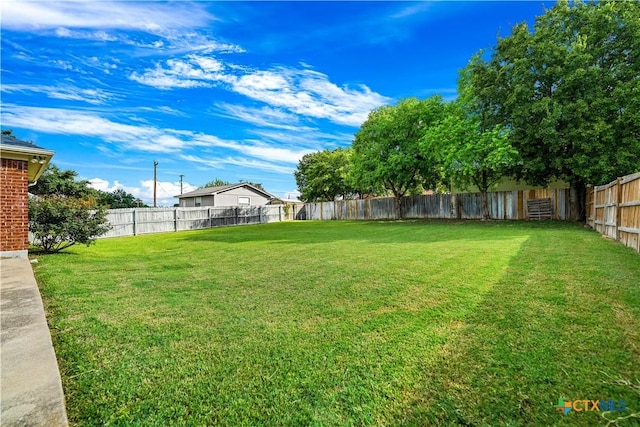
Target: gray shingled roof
208, 191
13, 141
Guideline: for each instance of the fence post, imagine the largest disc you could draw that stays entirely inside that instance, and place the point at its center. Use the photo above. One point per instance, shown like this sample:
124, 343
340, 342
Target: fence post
134, 221
594, 208
175, 219
236, 216
618, 210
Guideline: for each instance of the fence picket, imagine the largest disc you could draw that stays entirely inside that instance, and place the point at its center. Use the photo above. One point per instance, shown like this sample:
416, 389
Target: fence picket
131, 222
614, 210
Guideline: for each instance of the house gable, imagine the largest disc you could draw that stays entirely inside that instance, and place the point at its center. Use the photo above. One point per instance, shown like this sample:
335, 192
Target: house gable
241, 194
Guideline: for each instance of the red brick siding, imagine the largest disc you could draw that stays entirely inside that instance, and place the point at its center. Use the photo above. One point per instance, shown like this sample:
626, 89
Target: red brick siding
14, 211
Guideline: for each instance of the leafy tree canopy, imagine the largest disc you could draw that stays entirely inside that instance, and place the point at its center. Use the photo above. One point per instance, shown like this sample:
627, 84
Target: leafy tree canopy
471, 154
118, 199
569, 93
58, 221
214, 183
386, 149
323, 175
55, 181
217, 182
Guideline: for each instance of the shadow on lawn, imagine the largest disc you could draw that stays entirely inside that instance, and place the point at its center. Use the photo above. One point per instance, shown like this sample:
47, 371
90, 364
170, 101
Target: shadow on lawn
548, 330
405, 231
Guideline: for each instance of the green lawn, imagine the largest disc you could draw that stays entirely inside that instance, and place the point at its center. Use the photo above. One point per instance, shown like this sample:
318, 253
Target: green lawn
347, 323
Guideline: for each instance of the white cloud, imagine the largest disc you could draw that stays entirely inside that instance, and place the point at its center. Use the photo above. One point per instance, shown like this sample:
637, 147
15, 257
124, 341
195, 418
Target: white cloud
264, 151
87, 35
71, 93
160, 80
220, 162
177, 42
256, 149
309, 93
300, 91
311, 139
99, 184
265, 117
193, 71
59, 63
152, 17
165, 109
90, 124
143, 138
165, 190
414, 9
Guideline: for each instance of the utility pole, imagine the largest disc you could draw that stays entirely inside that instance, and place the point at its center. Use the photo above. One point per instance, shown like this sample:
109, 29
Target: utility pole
181, 176
155, 182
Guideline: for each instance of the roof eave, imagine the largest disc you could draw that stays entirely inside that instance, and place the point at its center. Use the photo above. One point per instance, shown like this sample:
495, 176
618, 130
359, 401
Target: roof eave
35, 168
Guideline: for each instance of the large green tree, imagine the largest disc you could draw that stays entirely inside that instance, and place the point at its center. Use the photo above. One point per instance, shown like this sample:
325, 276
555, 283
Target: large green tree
323, 175
118, 199
386, 149
569, 91
55, 181
472, 153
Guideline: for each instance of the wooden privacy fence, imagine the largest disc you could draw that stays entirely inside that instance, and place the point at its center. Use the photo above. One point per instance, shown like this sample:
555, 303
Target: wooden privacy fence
131, 222
613, 210
502, 205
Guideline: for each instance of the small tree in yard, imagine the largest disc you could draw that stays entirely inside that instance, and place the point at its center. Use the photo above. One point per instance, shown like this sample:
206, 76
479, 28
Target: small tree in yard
58, 222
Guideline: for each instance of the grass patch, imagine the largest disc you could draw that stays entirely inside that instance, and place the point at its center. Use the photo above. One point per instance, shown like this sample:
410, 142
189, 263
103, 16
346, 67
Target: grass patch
346, 323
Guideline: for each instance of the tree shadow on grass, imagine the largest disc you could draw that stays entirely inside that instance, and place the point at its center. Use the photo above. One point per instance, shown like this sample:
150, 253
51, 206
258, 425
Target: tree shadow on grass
41, 252
549, 330
381, 231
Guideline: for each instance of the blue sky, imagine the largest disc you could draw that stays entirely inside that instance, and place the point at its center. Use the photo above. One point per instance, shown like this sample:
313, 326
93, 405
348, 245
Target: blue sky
229, 90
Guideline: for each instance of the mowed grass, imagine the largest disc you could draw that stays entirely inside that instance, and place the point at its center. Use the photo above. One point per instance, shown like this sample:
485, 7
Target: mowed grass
347, 323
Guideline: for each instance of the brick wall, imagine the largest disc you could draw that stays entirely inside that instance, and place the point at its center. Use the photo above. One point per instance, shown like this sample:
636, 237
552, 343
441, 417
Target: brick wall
14, 212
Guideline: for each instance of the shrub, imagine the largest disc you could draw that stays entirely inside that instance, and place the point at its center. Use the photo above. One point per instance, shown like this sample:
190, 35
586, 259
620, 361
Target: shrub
58, 222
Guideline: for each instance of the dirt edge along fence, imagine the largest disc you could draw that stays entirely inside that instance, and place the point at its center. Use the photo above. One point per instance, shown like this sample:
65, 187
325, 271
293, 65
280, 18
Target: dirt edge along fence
132, 222
512, 205
613, 210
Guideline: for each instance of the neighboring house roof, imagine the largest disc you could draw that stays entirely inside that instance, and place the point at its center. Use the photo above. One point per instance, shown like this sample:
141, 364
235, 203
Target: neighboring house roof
212, 191
16, 149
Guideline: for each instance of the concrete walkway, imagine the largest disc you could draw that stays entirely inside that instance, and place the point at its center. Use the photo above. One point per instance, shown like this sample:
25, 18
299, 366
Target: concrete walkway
30, 388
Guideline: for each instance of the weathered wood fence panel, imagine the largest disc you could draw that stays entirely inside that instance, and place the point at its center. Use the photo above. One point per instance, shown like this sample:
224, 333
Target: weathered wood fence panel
131, 222
613, 210
629, 228
155, 220
502, 205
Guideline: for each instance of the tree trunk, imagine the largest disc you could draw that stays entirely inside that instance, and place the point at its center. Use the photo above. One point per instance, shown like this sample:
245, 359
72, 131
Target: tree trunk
398, 205
577, 199
484, 196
